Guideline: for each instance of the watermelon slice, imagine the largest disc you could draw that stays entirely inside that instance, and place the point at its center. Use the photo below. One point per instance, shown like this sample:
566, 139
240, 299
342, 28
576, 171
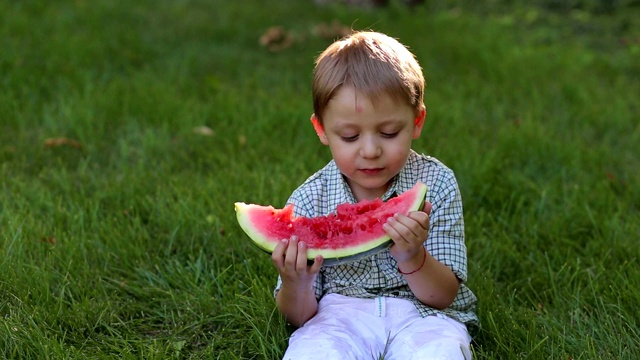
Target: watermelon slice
354, 231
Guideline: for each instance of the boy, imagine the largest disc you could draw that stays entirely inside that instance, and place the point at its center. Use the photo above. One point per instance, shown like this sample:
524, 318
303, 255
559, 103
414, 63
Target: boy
410, 301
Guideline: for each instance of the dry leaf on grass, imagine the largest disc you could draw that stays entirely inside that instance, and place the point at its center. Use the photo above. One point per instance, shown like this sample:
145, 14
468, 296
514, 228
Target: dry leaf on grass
48, 239
203, 130
62, 141
331, 31
276, 38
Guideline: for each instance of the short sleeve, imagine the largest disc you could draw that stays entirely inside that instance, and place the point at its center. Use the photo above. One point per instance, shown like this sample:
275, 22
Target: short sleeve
446, 234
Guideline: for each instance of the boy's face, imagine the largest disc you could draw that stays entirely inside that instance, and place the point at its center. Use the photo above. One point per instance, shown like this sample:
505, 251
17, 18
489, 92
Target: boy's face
370, 143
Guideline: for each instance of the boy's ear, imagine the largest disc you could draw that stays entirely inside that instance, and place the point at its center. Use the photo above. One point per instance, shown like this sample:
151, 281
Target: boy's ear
317, 126
418, 122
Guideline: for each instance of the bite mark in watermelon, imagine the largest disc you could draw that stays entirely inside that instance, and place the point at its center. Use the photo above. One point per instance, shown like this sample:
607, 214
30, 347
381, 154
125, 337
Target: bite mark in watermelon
353, 230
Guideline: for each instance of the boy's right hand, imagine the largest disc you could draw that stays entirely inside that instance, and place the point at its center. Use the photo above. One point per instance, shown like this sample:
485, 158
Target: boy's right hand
290, 258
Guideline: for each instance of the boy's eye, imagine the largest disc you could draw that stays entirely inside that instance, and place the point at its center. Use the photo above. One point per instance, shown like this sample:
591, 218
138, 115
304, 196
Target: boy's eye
349, 138
389, 135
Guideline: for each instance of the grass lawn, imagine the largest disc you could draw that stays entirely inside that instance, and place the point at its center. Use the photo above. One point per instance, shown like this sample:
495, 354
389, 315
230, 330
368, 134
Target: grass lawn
129, 129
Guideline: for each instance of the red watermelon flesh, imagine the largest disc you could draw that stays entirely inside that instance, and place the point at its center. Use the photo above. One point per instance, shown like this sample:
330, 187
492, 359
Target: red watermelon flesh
352, 230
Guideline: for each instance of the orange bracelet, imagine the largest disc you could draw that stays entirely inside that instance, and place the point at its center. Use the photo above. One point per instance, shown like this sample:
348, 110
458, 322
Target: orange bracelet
424, 259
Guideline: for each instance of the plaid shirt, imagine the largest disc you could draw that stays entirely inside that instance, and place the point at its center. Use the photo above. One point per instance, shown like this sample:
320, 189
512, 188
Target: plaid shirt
378, 275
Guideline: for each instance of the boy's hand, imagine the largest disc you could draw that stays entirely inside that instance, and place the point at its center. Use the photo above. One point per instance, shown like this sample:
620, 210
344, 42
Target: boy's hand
408, 234
290, 258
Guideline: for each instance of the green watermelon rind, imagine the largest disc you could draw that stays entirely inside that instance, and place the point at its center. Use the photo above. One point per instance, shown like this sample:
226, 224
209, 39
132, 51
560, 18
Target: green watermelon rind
331, 256
242, 214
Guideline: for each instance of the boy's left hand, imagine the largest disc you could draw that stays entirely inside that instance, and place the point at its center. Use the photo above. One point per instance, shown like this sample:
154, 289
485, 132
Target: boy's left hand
408, 233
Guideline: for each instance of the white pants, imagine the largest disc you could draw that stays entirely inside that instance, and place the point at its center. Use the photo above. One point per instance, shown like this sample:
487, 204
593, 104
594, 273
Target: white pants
352, 328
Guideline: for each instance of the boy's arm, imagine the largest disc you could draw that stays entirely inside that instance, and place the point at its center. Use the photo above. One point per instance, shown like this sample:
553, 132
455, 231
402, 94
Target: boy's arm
431, 281
434, 283
296, 299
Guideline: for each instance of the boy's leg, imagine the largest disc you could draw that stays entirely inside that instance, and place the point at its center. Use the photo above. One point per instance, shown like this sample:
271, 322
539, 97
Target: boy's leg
344, 328
431, 337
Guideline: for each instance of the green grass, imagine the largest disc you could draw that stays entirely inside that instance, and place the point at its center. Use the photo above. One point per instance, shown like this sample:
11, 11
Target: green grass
127, 245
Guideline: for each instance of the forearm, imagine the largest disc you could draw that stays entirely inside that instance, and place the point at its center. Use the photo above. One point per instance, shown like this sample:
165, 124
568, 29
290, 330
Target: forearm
297, 305
434, 284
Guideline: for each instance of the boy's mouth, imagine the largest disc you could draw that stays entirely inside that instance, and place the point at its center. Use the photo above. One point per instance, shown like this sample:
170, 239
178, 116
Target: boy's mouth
372, 171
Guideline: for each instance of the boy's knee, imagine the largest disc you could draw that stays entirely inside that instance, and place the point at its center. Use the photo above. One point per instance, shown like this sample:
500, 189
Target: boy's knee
443, 349
314, 354
320, 350
326, 345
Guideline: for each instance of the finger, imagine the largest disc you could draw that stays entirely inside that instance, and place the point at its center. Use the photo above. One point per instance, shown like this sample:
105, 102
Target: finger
291, 253
393, 233
317, 264
421, 217
408, 227
277, 256
301, 261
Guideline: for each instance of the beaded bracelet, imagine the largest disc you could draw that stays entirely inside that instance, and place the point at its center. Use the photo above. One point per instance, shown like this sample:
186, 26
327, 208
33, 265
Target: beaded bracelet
424, 259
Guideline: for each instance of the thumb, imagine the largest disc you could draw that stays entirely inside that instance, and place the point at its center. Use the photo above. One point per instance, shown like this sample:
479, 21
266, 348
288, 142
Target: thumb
427, 208
317, 264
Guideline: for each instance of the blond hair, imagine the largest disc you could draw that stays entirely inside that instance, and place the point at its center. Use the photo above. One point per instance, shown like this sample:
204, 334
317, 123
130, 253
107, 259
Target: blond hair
374, 64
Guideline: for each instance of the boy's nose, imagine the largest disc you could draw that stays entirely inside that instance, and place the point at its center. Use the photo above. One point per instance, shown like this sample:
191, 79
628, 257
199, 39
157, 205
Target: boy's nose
370, 148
